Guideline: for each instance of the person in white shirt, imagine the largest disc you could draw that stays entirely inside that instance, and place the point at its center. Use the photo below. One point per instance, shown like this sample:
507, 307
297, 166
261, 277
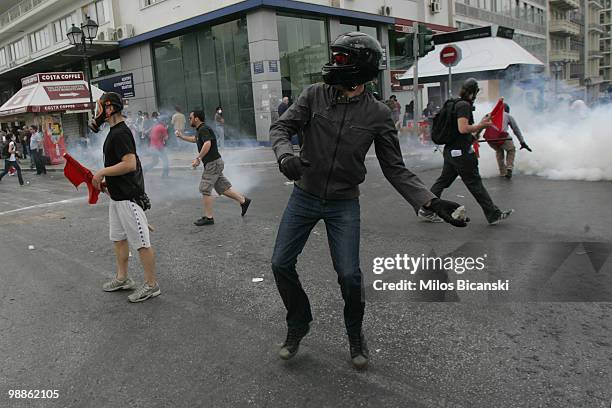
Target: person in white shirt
10, 160
36, 150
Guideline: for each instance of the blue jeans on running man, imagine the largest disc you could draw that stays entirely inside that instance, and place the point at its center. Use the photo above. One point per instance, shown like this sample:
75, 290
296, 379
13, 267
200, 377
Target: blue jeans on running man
342, 221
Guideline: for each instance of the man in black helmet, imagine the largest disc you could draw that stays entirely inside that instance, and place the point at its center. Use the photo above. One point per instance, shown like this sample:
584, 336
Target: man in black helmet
122, 173
461, 160
339, 123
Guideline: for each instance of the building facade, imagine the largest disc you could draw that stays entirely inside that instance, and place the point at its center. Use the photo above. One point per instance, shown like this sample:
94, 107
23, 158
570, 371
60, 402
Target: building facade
575, 47
241, 55
528, 18
605, 64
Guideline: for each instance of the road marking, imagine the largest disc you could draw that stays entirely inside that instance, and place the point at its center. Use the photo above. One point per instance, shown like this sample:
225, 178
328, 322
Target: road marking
43, 205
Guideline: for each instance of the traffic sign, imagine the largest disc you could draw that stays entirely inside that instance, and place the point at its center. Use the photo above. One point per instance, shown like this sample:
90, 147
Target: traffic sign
450, 55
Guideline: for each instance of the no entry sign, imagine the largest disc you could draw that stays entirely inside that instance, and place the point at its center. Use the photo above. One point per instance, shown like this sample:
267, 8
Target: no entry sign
450, 55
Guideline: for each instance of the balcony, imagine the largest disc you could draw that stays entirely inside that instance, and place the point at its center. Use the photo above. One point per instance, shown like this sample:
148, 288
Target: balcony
596, 4
565, 4
18, 10
573, 83
594, 54
495, 18
594, 27
564, 27
564, 55
594, 80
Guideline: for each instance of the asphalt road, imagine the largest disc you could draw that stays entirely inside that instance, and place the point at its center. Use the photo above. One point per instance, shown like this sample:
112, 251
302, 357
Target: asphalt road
211, 338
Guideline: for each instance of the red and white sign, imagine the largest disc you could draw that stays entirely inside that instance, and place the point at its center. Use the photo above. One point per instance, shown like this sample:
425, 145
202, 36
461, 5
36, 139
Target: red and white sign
57, 92
450, 55
51, 92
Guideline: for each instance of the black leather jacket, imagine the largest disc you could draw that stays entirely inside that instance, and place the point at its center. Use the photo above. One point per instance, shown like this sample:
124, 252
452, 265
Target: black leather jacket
336, 136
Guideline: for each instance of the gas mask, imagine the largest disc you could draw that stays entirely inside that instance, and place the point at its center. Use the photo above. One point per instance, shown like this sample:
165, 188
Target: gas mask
108, 99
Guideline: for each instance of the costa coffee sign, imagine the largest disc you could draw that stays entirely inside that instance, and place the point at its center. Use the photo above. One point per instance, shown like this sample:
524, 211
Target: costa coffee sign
52, 77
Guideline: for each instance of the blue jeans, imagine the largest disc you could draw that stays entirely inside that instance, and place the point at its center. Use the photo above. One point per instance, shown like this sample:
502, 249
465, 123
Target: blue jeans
342, 221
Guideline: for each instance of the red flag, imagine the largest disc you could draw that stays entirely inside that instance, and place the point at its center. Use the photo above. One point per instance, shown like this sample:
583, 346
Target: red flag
77, 174
497, 115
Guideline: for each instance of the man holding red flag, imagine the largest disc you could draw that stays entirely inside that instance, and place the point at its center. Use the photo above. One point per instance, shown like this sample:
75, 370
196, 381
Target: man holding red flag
125, 186
460, 158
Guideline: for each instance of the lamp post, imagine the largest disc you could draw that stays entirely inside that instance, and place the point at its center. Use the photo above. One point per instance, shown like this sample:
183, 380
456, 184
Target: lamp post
79, 36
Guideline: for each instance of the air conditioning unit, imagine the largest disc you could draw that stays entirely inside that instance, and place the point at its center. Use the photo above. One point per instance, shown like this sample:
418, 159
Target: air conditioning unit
107, 35
124, 31
435, 6
336, 3
385, 11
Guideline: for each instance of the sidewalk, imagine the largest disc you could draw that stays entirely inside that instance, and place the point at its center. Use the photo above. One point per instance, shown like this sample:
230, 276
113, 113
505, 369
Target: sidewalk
238, 156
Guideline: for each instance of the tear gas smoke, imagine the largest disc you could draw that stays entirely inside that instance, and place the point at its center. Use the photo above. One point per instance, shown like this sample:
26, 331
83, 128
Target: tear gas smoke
567, 144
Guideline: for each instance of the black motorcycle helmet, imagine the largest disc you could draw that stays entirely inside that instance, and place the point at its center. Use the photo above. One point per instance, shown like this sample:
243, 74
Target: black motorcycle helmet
470, 87
355, 60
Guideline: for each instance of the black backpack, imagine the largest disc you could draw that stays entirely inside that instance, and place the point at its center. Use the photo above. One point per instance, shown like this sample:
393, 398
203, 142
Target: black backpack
444, 124
5, 151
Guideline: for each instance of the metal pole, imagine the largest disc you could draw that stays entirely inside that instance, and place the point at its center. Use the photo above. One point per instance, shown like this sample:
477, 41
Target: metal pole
450, 83
88, 68
415, 79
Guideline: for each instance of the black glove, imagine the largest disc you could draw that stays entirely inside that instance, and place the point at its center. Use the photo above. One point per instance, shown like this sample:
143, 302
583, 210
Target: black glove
524, 146
445, 209
293, 166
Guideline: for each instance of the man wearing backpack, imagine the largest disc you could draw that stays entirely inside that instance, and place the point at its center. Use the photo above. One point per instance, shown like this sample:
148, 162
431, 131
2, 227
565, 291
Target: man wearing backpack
458, 135
10, 159
339, 121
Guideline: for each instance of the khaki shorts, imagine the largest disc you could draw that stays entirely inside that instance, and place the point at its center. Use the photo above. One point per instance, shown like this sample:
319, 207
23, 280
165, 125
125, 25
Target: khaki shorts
212, 176
128, 221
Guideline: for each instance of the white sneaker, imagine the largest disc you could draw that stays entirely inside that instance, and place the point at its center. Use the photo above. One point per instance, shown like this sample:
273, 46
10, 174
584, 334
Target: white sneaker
429, 216
116, 284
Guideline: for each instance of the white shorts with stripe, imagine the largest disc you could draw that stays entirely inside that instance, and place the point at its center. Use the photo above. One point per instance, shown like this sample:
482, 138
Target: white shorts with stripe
128, 221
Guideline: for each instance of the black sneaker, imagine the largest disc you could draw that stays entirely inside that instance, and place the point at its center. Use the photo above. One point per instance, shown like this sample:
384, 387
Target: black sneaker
502, 216
509, 174
204, 221
245, 205
292, 343
359, 351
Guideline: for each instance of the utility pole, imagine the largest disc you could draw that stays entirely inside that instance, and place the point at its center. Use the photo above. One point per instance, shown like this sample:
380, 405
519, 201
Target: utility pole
415, 78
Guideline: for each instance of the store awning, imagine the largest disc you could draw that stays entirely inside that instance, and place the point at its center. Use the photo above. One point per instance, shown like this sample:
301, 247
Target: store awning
482, 58
51, 92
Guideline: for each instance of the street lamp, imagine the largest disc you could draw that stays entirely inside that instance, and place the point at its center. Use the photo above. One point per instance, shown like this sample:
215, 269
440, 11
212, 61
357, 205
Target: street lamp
79, 36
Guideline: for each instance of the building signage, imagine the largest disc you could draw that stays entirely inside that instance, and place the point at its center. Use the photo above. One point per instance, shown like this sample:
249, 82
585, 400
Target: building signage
52, 77
258, 67
121, 84
56, 92
273, 66
462, 35
383, 61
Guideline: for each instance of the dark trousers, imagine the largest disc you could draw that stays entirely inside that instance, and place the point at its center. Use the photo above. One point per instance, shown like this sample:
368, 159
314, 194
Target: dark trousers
466, 166
7, 166
156, 155
37, 157
342, 221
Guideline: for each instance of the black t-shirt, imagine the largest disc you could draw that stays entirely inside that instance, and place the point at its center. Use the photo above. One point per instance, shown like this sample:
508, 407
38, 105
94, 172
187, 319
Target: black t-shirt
463, 109
205, 134
118, 143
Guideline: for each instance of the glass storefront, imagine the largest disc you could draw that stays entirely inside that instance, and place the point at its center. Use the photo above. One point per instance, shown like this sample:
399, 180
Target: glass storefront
208, 68
304, 49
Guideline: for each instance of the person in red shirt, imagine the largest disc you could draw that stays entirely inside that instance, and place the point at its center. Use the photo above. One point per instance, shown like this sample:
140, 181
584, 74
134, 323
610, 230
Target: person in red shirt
157, 146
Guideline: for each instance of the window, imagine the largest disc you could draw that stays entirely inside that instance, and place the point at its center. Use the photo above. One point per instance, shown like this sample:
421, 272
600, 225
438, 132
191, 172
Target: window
97, 11
18, 49
61, 26
2, 57
303, 47
39, 40
146, 3
105, 66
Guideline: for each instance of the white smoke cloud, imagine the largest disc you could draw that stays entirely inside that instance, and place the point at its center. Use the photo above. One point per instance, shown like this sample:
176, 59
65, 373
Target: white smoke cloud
567, 144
